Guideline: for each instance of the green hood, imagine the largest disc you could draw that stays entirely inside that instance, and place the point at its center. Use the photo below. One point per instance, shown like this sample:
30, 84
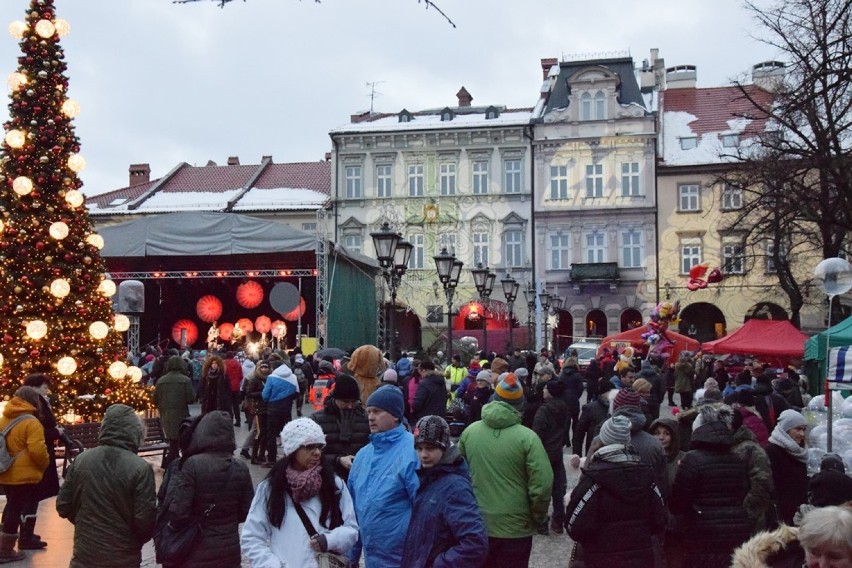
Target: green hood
500, 415
121, 428
175, 364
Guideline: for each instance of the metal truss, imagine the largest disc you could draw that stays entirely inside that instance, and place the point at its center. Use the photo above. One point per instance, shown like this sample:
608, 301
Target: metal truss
192, 274
321, 272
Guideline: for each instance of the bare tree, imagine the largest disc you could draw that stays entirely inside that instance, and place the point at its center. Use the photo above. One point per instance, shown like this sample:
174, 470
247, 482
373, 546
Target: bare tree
427, 3
796, 176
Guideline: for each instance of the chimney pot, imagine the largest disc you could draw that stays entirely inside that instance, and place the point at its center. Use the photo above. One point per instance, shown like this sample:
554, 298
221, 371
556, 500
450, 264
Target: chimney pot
328, 156
464, 97
233, 160
139, 173
546, 64
266, 158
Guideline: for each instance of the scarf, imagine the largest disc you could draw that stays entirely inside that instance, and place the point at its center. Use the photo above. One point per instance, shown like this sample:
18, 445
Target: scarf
304, 484
781, 438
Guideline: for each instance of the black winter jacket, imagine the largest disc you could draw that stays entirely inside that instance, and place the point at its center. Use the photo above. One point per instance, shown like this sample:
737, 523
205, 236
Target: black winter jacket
550, 425
615, 510
790, 479
593, 415
431, 397
210, 476
573, 381
346, 432
708, 492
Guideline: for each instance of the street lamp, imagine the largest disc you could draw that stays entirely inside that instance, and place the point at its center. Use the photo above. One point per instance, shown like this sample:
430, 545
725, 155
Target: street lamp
483, 279
510, 291
529, 295
449, 272
544, 300
393, 255
556, 304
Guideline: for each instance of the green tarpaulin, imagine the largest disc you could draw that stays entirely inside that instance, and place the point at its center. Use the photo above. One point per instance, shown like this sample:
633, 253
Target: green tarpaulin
838, 335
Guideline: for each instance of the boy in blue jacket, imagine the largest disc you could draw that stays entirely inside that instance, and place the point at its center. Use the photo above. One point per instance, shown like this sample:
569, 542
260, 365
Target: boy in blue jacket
446, 528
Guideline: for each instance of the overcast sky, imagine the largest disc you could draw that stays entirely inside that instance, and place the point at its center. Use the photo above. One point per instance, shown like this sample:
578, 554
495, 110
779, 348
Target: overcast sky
164, 83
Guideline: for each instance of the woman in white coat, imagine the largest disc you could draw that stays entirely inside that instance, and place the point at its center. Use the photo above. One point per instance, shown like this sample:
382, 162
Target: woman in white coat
273, 535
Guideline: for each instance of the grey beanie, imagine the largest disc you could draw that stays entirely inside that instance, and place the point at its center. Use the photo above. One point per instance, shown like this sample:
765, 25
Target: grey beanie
432, 430
485, 376
616, 430
790, 419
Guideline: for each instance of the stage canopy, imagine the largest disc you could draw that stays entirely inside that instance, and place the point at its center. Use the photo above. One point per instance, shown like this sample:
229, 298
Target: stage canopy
202, 234
766, 338
634, 338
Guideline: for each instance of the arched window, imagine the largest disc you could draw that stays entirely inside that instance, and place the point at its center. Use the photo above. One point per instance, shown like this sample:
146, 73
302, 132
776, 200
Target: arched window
585, 106
600, 105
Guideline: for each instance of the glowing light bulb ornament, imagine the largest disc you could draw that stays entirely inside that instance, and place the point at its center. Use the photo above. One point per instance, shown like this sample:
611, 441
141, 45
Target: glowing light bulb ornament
45, 28
95, 240
16, 80
66, 366
15, 138
17, 29
99, 330
63, 28
134, 374
122, 322
74, 198
118, 370
58, 230
76, 163
22, 185
36, 329
60, 288
107, 288
70, 108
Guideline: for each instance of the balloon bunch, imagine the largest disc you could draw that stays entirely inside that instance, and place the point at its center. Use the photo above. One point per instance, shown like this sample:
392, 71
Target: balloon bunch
663, 314
697, 280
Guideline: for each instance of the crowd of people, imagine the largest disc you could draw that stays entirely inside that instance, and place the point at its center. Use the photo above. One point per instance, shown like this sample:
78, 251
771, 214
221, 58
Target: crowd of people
435, 463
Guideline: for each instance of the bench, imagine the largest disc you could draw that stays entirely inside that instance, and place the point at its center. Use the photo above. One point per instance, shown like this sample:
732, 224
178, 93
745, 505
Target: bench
84, 436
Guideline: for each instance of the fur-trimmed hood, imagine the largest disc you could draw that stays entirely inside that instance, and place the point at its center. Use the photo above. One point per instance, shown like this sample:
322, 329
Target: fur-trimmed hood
766, 547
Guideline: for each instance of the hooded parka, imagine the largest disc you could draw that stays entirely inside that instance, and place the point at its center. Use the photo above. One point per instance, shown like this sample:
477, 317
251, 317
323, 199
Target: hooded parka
173, 394
26, 441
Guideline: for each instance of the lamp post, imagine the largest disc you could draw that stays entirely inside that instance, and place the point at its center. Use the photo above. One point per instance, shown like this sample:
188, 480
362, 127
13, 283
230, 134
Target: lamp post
544, 300
393, 254
529, 295
483, 279
556, 304
449, 272
510, 291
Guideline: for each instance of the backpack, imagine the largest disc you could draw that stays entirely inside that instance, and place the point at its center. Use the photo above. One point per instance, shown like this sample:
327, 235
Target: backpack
5, 459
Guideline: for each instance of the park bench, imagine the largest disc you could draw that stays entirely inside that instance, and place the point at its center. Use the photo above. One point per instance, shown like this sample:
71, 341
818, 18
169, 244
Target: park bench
84, 436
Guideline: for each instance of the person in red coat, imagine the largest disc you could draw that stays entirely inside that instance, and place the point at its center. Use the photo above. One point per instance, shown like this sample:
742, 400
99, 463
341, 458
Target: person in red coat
234, 374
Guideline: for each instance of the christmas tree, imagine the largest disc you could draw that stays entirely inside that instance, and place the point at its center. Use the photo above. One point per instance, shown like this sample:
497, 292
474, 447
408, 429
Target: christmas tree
56, 314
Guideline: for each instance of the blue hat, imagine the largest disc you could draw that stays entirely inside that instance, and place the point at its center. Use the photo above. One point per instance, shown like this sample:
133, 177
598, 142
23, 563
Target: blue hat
388, 398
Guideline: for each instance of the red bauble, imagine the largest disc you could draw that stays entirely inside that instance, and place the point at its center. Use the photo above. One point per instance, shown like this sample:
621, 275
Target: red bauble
34, 353
8, 338
108, 391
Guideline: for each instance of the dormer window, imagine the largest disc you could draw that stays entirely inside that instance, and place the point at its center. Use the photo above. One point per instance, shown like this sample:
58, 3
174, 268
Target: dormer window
730, 140
688, 142
405, 116
491, 113
593, 107
446, 115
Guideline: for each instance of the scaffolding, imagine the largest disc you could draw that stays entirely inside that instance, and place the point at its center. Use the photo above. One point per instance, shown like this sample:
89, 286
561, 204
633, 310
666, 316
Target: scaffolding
322, 278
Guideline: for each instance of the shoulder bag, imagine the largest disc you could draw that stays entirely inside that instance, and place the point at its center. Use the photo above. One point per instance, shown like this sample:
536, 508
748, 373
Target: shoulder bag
324, 559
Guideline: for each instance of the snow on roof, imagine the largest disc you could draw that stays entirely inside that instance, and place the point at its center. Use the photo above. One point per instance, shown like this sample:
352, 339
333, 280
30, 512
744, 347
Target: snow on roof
390, 122
170, 201
280, 198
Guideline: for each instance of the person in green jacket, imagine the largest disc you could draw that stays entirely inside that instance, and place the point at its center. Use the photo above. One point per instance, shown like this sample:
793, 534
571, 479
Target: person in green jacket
109, 496
172, 395
512, 477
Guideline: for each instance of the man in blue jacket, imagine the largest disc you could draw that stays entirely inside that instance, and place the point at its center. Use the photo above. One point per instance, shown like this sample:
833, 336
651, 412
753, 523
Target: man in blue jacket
383, 481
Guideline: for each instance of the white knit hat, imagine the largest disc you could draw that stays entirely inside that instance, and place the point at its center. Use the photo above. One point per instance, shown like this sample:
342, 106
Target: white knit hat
298, 433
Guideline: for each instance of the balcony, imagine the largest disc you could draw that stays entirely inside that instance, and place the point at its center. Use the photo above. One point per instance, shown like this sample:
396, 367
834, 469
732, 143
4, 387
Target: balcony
594, 272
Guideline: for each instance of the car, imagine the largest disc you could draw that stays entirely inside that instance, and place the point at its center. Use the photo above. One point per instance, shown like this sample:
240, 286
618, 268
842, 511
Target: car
586, 349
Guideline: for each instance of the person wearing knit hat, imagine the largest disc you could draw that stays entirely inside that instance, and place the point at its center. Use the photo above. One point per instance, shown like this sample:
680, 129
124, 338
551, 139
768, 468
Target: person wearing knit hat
314, 489
390, 377
615, 430
479, 397
626, 397
509, 390
448, 530
523, 375
384, 508
551, 424
486, 376
831, 486
789, 459
642, 386
344, 422
499, 366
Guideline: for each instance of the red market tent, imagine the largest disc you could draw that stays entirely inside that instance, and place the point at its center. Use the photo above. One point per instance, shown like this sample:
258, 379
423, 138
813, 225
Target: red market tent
633, 337
766, 338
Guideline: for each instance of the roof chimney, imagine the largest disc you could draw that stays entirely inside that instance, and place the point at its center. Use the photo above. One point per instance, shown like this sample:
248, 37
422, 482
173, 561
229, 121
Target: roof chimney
139, 173
546, 64
768, 75
233, 160
464, 97
266, 158
328, 156
681, 77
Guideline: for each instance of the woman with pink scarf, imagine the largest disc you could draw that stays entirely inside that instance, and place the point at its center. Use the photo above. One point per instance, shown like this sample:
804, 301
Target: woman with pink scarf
273, 534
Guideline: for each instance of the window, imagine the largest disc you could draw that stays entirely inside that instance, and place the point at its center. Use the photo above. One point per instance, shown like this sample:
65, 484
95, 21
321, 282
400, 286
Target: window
512, 174
600, 105
448, 179
448, 241
732, 198
586, 106
352, 243
594, 180
690, 254
417, 253
689, 198
771, 267
595, 247
560, 251
480, 177
514, 249
353, 182
730, 140
384, 173
415, 180
630, 179
631, 249
480, 248
733, 258
689, 142
559, 182
309, 227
